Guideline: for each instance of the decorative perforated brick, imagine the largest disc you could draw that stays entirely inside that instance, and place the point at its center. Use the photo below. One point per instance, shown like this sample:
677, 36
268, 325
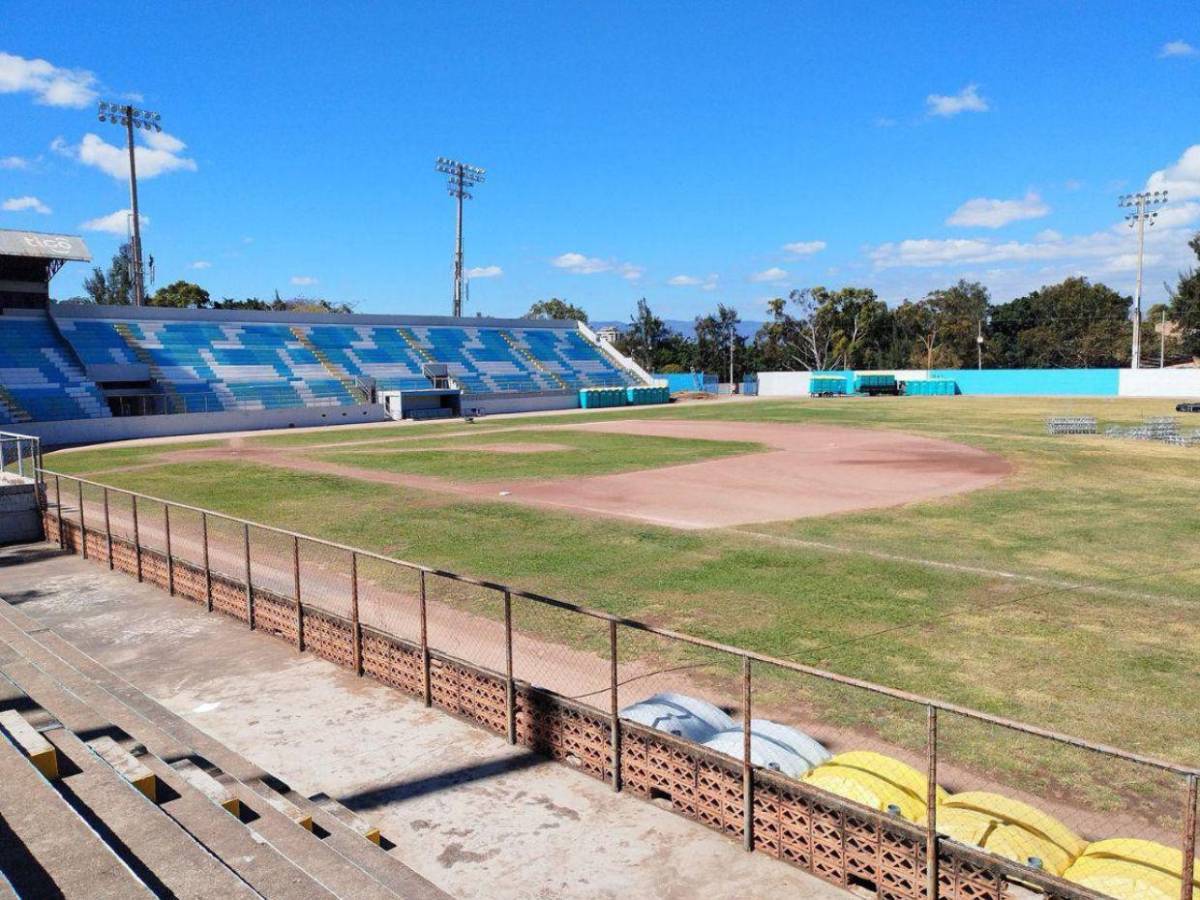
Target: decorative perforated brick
229, 597
275, 615
329, 638
393, 662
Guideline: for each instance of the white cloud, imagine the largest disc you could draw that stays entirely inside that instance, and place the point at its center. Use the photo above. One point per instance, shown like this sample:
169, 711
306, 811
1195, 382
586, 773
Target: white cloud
200, 264
50, 85
1181, 179
1048, 234
707, 283
485, 272
772, 274
1177, 48
630, 272
13, 162
159, 154
114, 223
983, 212
20, 204
804, 248
885, 122
579, 264
966, 100
303, 280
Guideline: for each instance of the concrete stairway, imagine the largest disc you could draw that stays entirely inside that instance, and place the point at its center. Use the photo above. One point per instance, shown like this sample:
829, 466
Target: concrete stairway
189, 844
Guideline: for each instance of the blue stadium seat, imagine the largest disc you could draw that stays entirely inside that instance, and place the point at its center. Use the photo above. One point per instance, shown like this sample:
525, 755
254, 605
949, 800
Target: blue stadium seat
40, 376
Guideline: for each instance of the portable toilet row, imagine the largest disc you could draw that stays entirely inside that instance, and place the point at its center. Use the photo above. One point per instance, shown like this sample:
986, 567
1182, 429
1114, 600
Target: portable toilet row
826, 385
641, 395
602, 397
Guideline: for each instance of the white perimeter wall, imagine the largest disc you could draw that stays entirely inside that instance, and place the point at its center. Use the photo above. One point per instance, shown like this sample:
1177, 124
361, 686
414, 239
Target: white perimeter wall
495, 404
1183, 383
783, 384
121, 428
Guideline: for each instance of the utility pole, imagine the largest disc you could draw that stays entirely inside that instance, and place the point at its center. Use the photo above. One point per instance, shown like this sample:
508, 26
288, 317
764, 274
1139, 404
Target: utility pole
131, 118
979, 344
462, 178
1140, 204
1162, 339
731, 357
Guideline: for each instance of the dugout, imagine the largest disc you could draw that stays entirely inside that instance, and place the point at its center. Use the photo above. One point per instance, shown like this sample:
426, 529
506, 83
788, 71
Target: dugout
28, 260
429, 403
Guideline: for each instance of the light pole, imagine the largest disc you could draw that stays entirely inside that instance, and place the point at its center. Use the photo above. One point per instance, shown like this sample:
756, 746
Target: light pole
1140, 204
462, 178
131, 118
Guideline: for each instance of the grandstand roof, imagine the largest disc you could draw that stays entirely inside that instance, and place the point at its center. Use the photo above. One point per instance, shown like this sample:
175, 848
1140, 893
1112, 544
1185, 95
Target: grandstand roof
40, 245
159, 313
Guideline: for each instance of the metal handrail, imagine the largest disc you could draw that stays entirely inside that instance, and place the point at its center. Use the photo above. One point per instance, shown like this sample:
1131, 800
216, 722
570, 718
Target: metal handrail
870, 687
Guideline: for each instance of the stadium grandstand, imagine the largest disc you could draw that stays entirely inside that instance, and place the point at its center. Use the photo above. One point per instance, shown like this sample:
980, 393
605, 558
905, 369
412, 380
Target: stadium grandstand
62, 363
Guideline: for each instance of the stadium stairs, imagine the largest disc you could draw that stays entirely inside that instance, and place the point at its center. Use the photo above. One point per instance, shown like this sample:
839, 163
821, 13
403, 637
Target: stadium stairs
138, 802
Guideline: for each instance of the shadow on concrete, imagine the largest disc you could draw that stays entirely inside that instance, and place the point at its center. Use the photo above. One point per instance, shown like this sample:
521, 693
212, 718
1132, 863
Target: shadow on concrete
23, 554
406, 790
25, 874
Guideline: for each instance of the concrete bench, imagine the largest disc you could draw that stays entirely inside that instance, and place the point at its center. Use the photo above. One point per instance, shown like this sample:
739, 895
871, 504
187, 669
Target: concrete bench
39, 750
127, 766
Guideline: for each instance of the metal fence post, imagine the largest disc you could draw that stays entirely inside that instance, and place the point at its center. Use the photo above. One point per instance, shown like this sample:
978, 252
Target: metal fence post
296, 586
747, 768
108, 530
427, 688
249, 586
82, 526
931, 836
614, 705
1186, 873
137, 538
510, 705
20, 460
167, 544
62, 538
207, 568
356, 623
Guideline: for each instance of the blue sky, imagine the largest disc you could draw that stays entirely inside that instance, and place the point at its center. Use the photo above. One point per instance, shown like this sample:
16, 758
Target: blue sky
688, 153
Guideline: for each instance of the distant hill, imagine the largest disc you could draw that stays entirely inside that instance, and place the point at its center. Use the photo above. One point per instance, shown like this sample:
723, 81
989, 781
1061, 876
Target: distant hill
687, 326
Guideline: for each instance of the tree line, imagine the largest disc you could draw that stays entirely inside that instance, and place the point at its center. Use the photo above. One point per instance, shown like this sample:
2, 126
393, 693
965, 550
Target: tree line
1075, 323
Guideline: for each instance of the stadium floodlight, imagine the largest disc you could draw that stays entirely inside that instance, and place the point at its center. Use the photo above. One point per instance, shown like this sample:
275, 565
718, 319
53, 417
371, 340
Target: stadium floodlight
130, 118
463, 177
1142, 213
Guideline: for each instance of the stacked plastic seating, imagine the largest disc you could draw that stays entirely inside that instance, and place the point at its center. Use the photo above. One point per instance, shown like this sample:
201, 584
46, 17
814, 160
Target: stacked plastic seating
40, 378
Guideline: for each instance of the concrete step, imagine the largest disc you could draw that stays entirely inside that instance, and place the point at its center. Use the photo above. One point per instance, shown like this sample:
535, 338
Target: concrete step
256, 862
165, 857
343, 858
46, 848
26, 738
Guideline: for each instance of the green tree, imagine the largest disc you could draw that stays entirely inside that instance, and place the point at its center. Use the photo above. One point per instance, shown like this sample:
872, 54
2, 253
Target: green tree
719, 347
1185, 305
1070, 324
960, 312
642, 339
554, 308
115, 286
181, 295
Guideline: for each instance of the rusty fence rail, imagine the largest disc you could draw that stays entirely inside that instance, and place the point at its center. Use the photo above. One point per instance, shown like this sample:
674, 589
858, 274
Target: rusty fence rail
528, 654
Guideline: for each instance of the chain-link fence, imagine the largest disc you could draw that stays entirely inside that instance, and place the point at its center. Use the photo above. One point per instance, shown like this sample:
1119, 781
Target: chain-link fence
20, 455
861, 784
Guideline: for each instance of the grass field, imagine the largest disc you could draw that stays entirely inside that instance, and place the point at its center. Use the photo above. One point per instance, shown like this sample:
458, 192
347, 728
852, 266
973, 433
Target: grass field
1067, 596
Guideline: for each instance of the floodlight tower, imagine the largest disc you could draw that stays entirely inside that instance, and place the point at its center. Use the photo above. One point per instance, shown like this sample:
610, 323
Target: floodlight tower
131, 118
462, 178
1140, 204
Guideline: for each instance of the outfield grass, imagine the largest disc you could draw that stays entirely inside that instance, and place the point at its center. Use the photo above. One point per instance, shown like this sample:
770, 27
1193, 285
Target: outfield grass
1114, 662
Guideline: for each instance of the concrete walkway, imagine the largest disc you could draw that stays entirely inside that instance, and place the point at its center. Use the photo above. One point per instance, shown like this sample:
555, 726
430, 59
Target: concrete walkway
476, 817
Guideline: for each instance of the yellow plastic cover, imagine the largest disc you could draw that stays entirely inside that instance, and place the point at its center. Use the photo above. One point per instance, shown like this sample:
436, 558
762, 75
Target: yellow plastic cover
1009, 828
1132, 868
874, 780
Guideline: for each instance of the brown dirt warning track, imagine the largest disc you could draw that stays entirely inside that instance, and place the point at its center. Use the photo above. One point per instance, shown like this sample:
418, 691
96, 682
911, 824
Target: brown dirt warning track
807, 470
